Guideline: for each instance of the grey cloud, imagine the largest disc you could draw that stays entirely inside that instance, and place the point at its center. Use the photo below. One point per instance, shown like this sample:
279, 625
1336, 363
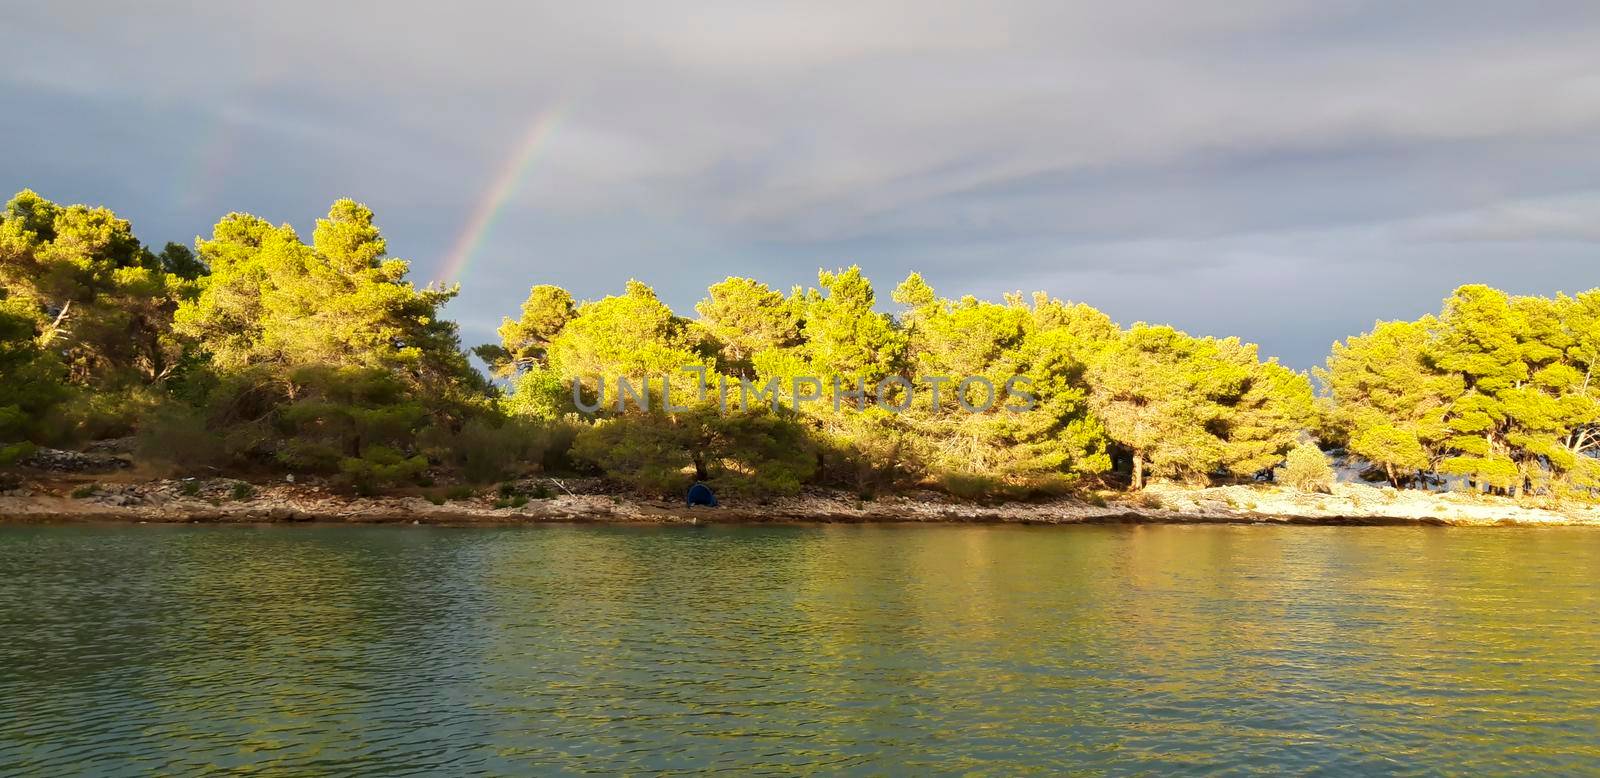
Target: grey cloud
1567, 218
1289, 170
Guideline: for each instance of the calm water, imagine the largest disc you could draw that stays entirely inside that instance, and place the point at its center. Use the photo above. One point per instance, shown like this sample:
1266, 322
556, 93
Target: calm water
411, 650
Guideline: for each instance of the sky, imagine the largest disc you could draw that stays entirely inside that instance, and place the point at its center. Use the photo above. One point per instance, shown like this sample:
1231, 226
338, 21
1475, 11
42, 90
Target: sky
1287, 172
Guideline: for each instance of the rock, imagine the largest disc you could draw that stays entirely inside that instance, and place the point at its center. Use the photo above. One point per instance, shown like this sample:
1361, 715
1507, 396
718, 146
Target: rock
59, 461
111, 446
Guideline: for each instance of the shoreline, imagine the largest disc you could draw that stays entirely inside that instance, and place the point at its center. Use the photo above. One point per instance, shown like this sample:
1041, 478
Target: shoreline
208, 502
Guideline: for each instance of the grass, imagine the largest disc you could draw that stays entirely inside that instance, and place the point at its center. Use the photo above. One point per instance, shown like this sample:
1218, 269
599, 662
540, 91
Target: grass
514, 501
243, 492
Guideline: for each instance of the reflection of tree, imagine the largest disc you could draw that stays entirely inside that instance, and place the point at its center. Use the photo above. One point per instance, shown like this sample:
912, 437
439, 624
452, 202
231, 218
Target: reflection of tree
293, 647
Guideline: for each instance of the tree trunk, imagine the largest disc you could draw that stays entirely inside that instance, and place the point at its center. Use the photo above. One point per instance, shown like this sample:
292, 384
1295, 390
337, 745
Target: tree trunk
1388, 469
699, 467
1138, 470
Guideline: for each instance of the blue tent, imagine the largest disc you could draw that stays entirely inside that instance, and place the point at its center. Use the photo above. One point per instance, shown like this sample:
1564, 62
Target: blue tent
700, 494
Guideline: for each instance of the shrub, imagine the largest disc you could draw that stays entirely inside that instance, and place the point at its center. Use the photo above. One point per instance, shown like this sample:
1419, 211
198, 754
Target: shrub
754, 452
86, 491
1050, 485
646, 453
872, 450
179, 436
33, 378
98, 415
243, 491
1307, 469
12, 453
969, 486
378, 467
487, 449
974, 486
459, 492
539, 394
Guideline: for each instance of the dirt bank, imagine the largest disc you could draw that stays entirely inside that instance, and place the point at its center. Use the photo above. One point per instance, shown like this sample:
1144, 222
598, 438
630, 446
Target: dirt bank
228, 501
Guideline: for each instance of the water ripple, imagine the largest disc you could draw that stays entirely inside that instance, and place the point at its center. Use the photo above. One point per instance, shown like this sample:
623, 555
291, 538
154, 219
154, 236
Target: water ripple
855, 650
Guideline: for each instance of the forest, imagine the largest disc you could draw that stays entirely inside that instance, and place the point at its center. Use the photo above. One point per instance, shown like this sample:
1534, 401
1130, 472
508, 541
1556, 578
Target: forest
256, 352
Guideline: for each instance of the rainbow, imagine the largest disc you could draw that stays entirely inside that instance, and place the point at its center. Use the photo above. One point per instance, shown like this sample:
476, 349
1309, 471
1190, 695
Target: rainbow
481, 220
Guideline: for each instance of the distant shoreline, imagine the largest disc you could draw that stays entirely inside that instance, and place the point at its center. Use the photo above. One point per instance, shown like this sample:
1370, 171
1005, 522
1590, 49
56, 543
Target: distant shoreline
164, 501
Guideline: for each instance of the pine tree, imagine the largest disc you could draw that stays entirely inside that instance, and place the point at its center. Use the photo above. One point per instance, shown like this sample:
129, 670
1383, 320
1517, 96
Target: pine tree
103, 302
32, 380
1188, 408
1390, 399
744, 317
1483, 338
632, 335
846, 337
525, 340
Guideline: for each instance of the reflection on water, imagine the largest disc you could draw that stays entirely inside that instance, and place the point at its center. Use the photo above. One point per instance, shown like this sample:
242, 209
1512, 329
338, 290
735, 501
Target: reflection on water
339, 650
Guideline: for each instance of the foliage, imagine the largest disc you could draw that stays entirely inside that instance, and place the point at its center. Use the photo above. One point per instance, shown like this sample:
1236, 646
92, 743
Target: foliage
178, 435
630, 335
1188, 408
273, 300
845, 335
1306, 469
979, 486
872, 450
525, 340
1049, 344
1389, 402
380, 466
486, 449
744, 317
260, 350
101, 301
1500, 390
539, 394
33, 381
755, 451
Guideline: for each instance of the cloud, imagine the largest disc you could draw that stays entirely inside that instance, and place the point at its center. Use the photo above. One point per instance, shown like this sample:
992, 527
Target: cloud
1127, 154
1573, 217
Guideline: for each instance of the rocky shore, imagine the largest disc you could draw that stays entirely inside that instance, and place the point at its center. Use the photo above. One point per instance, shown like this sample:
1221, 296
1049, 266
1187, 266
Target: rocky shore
223, 500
